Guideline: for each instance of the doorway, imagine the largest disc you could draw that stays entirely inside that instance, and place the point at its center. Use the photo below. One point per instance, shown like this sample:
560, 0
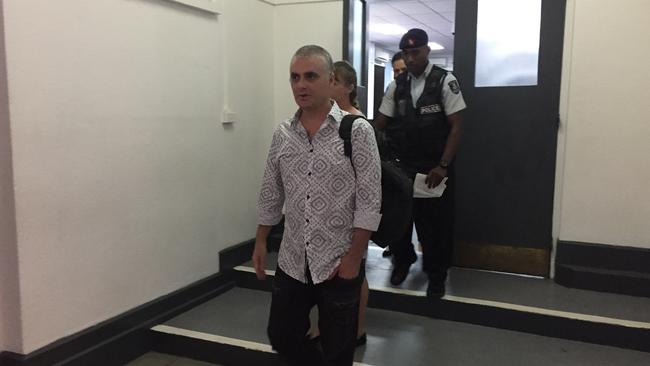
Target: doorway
506, 163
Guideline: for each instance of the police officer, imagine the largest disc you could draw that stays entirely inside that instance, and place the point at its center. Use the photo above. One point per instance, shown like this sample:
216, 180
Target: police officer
420, 115
398, 64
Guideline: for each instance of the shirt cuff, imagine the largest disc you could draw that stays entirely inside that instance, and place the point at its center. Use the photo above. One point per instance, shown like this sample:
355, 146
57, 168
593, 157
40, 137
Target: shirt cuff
386, 111
366, 220
268, 218
455, 109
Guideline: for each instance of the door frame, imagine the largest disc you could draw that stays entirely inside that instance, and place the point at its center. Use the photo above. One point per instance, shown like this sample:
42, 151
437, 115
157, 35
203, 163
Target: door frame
545, 261
567, 57
348, 32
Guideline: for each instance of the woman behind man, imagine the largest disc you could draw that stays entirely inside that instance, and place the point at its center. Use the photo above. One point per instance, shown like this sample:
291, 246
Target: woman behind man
344, 89
344, 92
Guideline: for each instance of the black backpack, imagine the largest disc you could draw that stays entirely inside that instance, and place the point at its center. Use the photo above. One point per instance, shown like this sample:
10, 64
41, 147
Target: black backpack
396, 192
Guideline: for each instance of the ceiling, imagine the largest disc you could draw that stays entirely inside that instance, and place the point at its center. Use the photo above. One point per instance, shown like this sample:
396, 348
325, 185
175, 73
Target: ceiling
436, 17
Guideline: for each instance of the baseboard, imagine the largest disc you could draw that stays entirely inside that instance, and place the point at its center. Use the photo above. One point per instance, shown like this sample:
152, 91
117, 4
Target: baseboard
603, 256
236, 255
125, 337
589, 278
605, 268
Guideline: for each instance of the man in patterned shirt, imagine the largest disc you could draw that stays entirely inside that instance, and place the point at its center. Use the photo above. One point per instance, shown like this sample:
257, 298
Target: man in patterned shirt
332, 206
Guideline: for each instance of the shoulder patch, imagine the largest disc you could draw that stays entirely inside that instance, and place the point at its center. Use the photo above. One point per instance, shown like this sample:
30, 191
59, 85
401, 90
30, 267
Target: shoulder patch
453, 85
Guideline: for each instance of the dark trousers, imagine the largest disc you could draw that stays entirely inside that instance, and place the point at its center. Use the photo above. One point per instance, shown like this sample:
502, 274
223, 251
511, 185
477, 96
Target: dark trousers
338, 311
434, 222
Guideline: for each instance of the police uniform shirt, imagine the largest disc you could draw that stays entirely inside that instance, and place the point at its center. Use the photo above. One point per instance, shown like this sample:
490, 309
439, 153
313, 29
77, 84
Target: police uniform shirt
452, 97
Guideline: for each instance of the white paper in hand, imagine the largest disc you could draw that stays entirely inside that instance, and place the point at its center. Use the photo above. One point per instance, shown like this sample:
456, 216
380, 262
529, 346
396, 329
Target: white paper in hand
421, 190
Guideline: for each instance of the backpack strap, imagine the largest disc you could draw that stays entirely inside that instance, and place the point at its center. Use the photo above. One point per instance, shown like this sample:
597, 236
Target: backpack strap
345, 132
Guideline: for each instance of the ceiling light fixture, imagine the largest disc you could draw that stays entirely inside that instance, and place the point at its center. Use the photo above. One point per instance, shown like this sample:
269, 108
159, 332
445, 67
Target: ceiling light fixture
436, 46
387, 29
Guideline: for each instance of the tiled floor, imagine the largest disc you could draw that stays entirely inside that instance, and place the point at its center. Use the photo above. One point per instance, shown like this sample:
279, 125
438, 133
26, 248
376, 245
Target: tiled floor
161, 359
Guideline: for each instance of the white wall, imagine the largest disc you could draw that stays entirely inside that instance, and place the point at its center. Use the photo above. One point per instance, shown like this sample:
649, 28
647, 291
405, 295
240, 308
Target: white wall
446, 61
9, 295
127, 184
296, 25
605, 194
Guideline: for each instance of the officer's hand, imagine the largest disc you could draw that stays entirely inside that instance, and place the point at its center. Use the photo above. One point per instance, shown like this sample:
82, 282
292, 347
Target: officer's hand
259, 259
435, 176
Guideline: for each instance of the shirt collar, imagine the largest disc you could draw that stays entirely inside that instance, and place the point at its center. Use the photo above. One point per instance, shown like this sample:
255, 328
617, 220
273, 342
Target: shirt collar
334, 116
426, 72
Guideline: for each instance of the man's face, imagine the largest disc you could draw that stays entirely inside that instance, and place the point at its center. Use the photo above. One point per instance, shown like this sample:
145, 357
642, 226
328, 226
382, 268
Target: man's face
310, 81
416, 59
399, 66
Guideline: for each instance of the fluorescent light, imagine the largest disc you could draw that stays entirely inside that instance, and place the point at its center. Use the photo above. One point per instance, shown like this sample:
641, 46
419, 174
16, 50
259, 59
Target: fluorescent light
387, 29
436, 46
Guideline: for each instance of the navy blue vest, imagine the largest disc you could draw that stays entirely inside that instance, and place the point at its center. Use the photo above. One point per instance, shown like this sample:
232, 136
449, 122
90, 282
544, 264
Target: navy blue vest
417, 136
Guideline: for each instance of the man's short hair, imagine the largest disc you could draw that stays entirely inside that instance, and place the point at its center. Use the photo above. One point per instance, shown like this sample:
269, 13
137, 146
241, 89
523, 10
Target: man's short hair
396, 57
314, 50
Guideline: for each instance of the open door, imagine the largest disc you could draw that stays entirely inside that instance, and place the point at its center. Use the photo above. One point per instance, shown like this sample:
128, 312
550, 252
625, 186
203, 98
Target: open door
506, 163
355, 50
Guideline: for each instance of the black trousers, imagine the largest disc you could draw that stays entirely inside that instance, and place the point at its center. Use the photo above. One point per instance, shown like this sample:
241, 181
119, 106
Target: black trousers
434, 222
338, 312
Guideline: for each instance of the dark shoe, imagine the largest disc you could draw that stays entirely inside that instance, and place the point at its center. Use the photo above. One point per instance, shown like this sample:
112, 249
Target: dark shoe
436, 289
315, 339
361, 340
400, 271
311, 338
386, 253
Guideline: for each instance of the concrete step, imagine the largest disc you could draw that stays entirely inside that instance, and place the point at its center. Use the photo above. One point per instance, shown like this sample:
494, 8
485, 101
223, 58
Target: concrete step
521, 303
230, 330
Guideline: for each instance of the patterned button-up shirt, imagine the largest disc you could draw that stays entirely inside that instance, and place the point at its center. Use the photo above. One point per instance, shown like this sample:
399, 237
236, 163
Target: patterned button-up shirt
323, 198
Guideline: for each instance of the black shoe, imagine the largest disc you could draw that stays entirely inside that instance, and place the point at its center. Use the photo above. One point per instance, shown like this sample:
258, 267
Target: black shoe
362, 340
314, 339
386, 253
436, 289
400, 271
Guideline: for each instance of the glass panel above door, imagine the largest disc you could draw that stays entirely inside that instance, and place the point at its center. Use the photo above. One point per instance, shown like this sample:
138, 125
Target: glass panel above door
507, 42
